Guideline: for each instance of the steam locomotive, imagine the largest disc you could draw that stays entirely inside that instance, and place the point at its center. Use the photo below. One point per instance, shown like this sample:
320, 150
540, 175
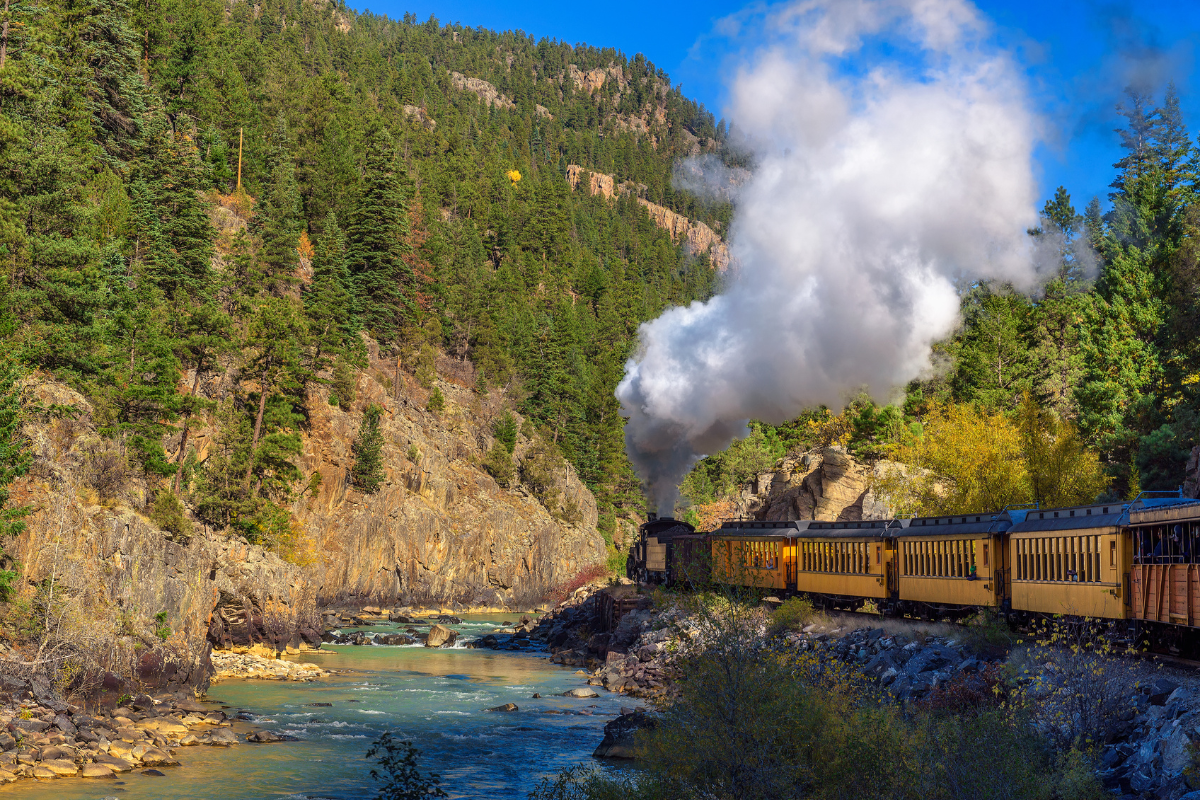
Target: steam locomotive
1136, 562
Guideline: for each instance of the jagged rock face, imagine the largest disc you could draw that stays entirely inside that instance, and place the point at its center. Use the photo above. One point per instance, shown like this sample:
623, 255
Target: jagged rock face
697, 237
488, 93
440, 530
828, 485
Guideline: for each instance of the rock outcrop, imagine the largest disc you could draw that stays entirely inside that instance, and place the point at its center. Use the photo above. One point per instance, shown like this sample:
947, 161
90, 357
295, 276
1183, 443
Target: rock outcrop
418, 113
697, 237
827, 484
489, 94
440, 531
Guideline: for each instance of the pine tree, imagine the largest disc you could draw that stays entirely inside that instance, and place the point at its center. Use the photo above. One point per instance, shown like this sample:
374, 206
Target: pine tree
15, 458
328, 303
172, 172
367, 472
276, 334
277, 217
376, 242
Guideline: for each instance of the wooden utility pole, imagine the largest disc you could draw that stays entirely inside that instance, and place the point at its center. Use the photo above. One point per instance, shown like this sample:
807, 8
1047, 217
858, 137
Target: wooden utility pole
239, 185
4, 36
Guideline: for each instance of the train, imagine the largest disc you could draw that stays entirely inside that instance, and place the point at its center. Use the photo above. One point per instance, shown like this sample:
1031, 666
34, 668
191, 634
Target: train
1135, 562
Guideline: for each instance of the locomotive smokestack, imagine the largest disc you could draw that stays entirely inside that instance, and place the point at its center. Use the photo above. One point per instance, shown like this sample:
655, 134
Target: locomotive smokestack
879, 186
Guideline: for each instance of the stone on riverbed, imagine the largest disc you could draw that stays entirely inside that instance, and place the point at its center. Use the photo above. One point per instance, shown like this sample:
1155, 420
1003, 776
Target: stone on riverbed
440, 636
96, 771
580, 693
505, 707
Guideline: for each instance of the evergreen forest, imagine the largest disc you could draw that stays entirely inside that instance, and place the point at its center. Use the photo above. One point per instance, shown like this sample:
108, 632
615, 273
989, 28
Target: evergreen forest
387, 196
406, 182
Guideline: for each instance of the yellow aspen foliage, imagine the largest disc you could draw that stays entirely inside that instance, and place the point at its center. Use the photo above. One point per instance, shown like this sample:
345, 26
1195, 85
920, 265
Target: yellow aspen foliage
966, 459
305, 246
514, 176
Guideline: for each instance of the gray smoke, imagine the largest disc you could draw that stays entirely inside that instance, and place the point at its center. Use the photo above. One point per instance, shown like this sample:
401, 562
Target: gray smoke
707, 177
879, 186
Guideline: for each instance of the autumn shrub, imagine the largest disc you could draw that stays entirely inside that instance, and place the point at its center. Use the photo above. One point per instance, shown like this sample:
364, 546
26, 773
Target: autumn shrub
793, 614
968, 692
1074, 681
968, 460
582, 578
756, 720
105, 468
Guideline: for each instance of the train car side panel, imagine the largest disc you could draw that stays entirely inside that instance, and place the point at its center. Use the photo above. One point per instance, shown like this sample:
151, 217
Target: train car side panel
951, 570
756, 562
842, 567
1068, 570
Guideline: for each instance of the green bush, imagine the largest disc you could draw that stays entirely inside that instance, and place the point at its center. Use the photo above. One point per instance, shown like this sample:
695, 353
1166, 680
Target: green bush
396, 769
505, 431
538, 470
343, 387
169, 515
794, 614
499, 464
437, 401
161, 629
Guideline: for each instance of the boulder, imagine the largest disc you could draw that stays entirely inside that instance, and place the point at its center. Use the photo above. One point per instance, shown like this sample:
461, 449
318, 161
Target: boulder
930, 659
1161, 690
153, 757
143, 702
580, 693
61, 767
440, 636
266, 737
96, 771
394, 639
619, 735
505, 707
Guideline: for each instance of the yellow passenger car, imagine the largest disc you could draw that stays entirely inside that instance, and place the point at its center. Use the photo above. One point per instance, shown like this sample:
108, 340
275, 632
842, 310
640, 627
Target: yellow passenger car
842, 564
951, 565
755, 554
1070, 561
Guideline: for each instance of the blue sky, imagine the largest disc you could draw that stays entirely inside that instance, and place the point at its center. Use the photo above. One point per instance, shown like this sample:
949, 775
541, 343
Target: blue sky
1079, 55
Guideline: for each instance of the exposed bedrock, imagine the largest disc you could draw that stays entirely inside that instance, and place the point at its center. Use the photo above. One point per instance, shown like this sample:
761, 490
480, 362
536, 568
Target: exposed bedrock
439, 532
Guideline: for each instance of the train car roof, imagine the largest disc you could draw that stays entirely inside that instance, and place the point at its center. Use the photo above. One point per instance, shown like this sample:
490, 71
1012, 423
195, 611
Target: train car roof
1168, 509
808, 529
1100, 515
956, 525
754, 527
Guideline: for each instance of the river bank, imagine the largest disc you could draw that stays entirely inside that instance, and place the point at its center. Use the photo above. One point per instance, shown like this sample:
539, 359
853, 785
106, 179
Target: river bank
436, 696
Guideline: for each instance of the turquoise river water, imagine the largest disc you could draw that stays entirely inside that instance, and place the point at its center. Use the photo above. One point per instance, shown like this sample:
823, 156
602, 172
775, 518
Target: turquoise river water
434, 697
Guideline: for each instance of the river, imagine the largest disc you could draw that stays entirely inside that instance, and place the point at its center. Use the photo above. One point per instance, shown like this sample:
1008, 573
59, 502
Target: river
436, 697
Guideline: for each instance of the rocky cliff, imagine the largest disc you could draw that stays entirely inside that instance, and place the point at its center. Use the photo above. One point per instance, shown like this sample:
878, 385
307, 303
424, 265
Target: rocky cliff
827, 484
143, 603
697, 237
440, 531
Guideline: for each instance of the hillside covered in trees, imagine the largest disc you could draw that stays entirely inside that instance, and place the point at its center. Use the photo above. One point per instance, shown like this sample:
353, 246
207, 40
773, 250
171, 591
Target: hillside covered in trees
1087, 387
402, 180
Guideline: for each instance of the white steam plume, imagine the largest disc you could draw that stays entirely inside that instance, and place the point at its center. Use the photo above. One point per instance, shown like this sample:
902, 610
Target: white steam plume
880, 184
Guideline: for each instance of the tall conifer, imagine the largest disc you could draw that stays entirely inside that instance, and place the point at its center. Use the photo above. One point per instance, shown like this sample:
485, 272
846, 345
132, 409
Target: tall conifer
376, 241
